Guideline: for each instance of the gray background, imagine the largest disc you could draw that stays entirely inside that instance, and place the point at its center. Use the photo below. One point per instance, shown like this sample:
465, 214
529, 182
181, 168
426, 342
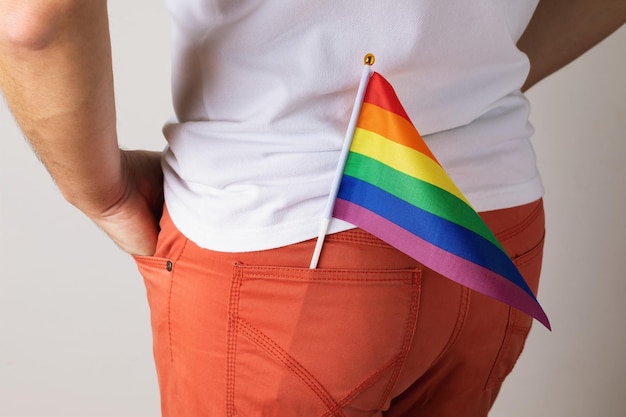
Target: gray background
74, 324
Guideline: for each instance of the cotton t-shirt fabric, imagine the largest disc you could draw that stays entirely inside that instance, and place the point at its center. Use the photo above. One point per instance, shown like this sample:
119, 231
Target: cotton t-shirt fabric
263, 91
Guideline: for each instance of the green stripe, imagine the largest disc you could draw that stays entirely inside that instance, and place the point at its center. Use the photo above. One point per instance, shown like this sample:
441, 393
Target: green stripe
418, 193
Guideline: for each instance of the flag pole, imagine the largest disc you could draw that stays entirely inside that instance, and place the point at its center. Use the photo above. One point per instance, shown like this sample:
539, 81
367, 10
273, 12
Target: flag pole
343, 156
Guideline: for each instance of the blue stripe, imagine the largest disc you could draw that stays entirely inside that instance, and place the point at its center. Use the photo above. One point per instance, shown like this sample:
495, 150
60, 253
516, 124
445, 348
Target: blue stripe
440, 232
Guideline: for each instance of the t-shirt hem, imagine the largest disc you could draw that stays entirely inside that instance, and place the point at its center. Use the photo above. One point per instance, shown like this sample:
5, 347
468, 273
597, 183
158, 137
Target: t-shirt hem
239, 240
236, 240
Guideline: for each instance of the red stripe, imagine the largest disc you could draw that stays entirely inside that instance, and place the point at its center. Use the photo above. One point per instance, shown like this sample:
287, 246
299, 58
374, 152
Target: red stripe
380, 93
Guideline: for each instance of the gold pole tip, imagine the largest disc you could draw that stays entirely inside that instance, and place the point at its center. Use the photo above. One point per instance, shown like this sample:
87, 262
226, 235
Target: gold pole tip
369, 59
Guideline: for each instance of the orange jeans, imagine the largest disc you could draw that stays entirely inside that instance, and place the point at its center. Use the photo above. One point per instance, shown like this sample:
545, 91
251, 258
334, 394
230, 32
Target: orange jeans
371, 332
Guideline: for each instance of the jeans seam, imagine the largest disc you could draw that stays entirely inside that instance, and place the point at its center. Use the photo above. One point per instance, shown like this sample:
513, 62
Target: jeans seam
529, 255
464, 304
519, 227
231, 343
169, 300
512, 329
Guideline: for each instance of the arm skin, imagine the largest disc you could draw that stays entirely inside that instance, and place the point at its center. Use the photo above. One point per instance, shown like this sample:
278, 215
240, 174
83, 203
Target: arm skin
562, 30
55, 73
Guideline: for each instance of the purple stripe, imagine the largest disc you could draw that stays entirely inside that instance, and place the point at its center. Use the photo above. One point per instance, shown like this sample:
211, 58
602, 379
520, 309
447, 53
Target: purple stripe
449, 265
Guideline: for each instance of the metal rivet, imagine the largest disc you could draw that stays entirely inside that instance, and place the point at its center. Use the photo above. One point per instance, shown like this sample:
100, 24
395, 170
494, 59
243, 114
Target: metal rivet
169, 266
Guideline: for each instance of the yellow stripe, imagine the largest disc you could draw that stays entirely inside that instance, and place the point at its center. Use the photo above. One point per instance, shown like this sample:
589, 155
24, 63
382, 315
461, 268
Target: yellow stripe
403, 159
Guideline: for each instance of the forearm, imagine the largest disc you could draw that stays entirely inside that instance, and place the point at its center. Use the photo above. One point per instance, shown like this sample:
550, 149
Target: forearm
55, 73
562, 30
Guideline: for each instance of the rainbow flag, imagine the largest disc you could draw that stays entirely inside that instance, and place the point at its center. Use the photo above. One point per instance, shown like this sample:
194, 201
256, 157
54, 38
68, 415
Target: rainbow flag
394, 187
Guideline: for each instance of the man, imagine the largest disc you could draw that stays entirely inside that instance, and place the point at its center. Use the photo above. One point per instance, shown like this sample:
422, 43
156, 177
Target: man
75, 138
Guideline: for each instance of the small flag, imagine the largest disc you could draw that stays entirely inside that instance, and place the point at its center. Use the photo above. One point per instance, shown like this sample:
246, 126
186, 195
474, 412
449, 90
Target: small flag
393, 187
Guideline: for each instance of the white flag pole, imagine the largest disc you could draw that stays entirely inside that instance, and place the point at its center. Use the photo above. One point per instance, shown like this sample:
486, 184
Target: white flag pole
343, 156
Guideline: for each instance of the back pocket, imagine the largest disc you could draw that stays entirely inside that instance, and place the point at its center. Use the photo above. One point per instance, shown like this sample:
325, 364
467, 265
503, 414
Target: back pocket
313, 342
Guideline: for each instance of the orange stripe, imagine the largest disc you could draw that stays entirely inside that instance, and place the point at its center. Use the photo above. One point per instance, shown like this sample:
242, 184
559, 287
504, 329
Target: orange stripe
393, 127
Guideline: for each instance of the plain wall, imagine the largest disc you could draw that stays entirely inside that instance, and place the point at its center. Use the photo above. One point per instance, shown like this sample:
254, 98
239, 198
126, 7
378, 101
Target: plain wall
74, 322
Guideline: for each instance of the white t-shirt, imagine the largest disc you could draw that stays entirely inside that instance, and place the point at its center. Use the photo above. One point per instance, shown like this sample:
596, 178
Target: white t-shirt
263, 91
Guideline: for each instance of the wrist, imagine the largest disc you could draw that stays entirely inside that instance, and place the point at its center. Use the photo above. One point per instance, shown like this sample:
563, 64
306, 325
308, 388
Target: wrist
97, 191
